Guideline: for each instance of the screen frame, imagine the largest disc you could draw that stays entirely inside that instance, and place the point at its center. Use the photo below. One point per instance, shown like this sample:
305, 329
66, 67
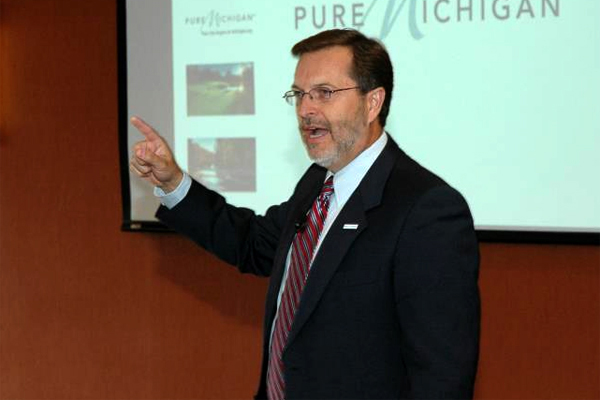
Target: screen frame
130, 225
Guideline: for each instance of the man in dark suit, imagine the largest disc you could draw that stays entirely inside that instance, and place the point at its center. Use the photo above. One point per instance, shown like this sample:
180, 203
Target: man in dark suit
383, 259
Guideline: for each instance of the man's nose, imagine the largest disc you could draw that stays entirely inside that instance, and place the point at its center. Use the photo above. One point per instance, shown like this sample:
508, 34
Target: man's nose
306, 106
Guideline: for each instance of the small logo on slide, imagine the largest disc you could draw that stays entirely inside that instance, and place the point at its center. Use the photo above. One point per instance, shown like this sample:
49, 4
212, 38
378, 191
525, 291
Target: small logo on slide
215, 23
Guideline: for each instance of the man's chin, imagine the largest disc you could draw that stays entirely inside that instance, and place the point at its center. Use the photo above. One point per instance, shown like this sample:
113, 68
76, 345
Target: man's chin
323, 161
320, 155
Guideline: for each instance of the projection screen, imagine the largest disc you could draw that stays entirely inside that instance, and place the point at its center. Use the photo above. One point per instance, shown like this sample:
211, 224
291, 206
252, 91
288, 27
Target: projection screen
501, 98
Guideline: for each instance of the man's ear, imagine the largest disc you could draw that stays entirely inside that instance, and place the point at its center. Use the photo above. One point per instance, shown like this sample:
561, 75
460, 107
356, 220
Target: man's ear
375, 100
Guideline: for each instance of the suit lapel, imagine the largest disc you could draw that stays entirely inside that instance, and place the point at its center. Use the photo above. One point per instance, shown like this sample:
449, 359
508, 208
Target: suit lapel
338, 240
332, 251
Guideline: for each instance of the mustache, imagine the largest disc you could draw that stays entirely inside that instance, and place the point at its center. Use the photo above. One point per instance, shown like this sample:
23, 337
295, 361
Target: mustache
311, 122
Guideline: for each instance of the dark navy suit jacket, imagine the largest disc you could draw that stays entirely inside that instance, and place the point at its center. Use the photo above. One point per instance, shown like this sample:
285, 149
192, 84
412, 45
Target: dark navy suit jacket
390, 309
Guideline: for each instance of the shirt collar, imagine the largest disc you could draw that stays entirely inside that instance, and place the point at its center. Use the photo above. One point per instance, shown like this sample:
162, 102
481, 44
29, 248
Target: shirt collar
347, 179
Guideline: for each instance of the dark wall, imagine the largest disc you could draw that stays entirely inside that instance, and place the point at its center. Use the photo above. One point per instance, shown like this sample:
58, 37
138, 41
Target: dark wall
87, 311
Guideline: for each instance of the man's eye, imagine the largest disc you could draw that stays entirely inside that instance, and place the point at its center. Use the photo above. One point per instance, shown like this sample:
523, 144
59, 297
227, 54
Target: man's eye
323, 93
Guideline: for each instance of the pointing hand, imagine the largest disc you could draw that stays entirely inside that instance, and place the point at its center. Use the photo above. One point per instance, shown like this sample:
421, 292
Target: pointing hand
153, 160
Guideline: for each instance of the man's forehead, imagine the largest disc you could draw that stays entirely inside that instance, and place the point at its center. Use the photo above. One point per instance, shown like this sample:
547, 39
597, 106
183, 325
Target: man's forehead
330, 65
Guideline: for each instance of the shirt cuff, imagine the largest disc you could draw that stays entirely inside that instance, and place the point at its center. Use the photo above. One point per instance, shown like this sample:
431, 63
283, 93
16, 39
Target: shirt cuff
173, 198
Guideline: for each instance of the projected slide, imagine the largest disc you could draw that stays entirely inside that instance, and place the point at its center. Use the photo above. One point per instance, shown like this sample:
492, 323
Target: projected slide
499, 97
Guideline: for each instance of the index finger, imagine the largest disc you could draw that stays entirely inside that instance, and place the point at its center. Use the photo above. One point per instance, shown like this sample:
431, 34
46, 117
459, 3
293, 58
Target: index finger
145, 129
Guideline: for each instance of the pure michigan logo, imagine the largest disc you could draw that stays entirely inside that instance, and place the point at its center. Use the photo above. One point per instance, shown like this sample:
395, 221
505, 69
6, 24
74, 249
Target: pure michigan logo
417, 14
215, 23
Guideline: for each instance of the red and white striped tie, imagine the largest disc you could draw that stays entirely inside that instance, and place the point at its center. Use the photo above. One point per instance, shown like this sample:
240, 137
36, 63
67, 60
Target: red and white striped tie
303, 247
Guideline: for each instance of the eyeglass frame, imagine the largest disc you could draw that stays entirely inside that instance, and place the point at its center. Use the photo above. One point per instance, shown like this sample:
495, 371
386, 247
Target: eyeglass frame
290, 95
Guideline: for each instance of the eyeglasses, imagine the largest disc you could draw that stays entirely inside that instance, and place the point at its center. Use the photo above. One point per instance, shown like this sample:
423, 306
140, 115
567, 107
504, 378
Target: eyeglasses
318, 94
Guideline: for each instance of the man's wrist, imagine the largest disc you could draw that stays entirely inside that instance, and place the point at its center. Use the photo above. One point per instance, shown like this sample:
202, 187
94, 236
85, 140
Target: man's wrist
173, 198
171, 185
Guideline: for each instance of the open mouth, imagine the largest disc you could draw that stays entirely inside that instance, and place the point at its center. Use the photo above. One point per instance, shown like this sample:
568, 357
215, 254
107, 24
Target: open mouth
314, 132
318, 132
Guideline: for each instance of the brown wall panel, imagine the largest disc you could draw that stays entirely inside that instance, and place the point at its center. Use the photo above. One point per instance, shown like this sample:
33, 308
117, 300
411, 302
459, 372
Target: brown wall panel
87, 311
540, 322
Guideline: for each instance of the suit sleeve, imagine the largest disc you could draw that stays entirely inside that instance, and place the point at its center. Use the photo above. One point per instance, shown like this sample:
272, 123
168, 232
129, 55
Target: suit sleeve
234, 234
437, 297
